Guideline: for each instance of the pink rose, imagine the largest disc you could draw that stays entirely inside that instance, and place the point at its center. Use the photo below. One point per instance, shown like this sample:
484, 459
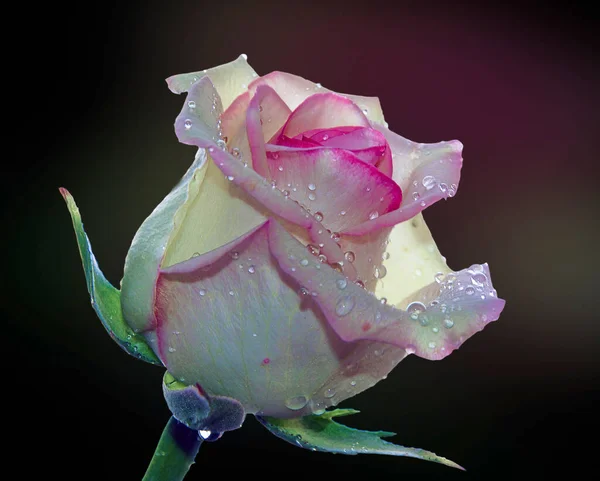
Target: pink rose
291, 267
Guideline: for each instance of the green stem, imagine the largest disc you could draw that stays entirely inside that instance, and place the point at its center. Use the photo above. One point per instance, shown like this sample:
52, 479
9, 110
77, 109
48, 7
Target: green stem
174, 454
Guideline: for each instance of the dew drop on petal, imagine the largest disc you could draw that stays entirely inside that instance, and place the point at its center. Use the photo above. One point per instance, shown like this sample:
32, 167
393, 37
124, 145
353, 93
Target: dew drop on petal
187, 124
380, 272
192, 104
373, 215
429, 182
318, 216
311, 196
479, 279
360, 283
448, 323
312, 187
313, 249
414, 309
296, 403
349, 256
431, 345
344, 306
202, 292
469, 291
304, 262
234, 255
341, 283
251, 269
329, 393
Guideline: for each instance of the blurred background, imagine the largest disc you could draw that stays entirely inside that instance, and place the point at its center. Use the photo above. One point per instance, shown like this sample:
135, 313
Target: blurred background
517, 84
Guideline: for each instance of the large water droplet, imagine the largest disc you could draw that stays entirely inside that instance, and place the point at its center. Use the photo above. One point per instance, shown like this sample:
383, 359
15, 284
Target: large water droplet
349, 256
192, 104
380, 272
312, 187
414, 309
329, 393
429, 182
296, 403
479, 279
469, 291
344, 306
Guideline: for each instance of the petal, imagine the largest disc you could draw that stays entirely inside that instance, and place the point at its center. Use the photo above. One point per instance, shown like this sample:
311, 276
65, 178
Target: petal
231, 322
216, 210
410, 261
441, 317
426, 173
148, 247
196, 127
323, 111
230, 79
106, 300
294, 90
330, 181
233, 126
266, 114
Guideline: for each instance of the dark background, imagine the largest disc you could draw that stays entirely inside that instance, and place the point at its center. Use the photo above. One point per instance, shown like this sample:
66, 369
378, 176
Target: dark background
515, 83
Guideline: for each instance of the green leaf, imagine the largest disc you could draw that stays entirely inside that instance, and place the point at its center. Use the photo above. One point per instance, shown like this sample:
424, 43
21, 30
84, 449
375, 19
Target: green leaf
106, 299
322, 433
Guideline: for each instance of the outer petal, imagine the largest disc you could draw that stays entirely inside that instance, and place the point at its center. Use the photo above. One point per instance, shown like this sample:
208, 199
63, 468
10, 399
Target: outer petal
334, 182
444, 315
230, 79
294, 90
233, 126
425, 172
324, 111
148, 248
232, 322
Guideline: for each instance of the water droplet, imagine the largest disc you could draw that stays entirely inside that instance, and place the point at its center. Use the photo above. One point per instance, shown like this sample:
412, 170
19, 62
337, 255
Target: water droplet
192, 104
349, 256
323, 258
231, 293
414, 309
385, 256
479, 279
304, 262
311, 196
312, 187
439, 277
344, 306
352, 383
443, 187
296, 403
313, 249
431, 345
251, 269
373, 215
196, 254
329, 393
448, 323
230, 177
365, 111
303, 291
435, 329
335, 236
470, 290
318, 216
429, 182
187, 124
236, 152
341, 283
383, 300
202, 292
343, 212
360, 283
172, 349
234, 255
418, 272
318, 85
380, 272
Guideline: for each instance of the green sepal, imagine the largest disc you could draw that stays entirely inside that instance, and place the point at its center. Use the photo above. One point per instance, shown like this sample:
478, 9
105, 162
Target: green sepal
106, 299
322, 433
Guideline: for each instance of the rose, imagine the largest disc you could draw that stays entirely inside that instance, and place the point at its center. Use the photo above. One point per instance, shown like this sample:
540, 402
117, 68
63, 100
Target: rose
291, 268
263, 276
